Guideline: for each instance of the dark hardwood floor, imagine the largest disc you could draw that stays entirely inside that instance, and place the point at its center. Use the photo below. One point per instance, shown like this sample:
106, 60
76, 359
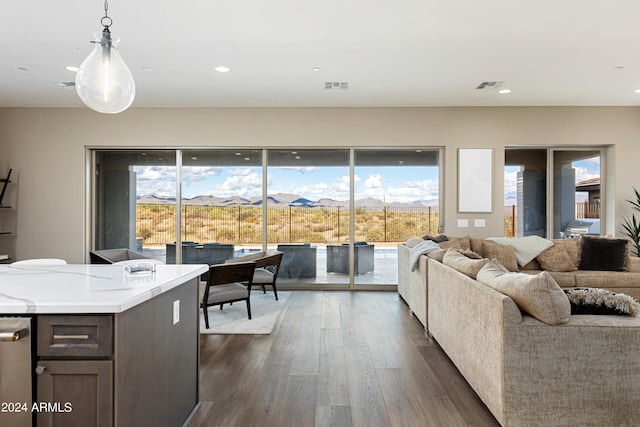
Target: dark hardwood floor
335, 359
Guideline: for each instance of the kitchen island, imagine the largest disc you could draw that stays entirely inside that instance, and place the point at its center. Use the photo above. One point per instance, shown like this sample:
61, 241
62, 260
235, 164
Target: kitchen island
107, 348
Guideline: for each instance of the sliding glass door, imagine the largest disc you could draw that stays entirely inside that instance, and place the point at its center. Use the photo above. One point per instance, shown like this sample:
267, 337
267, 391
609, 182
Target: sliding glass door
397, 196
337, 214
135, 194
548, 189
308, 214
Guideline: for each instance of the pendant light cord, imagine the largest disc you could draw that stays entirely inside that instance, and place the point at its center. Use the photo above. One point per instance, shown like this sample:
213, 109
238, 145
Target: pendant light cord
106, 20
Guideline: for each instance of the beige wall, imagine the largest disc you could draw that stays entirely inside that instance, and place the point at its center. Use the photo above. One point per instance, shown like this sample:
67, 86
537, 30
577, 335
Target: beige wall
46, 149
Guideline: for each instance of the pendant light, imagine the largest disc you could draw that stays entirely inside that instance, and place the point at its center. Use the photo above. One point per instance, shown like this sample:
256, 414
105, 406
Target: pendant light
104, 82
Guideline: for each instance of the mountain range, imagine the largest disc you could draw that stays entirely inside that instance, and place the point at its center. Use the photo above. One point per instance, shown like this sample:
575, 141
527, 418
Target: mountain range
280, 199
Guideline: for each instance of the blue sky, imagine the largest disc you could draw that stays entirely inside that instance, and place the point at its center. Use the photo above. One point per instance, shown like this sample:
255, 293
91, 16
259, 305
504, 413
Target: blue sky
404, 184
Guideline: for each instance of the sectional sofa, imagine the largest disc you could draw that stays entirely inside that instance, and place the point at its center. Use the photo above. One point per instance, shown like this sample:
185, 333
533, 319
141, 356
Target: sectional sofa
563, 261
581, 370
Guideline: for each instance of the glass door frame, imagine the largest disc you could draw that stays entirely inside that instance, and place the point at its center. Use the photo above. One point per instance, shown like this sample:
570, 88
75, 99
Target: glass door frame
550, 206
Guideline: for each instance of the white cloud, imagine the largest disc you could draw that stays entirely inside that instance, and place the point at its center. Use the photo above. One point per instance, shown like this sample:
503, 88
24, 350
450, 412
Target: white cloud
160, 180
243, 185
584, 174
239, 171
299, 169
373, 181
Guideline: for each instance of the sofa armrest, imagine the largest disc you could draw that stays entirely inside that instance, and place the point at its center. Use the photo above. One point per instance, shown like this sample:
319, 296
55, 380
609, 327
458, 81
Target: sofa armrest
634, 264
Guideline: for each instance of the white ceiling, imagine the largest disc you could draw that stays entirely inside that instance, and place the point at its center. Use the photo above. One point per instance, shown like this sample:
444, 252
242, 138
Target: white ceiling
392, 53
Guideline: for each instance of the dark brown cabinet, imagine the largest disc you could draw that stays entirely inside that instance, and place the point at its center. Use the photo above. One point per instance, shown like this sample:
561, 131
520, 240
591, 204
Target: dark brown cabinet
137, 367
74, 371
74, 393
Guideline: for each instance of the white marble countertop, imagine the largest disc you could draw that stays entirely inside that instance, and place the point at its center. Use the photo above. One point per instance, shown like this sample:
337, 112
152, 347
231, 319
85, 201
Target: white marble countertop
85, 288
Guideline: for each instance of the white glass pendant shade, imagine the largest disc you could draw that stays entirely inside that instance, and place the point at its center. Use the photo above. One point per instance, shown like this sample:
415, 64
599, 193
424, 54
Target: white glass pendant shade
104, 82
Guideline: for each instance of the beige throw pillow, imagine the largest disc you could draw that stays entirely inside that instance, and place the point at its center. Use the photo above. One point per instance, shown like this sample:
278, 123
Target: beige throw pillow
462, 263
463, 242
437, 255
504, 253
538, 295
564, 255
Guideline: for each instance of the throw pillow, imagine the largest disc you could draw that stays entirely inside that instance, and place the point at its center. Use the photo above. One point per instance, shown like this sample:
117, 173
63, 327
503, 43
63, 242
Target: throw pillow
463, 242
468, 253
503, 253
601, 301
527, 247
538, 295
465, 265
437, 255
604, 254
562, 256
438, 239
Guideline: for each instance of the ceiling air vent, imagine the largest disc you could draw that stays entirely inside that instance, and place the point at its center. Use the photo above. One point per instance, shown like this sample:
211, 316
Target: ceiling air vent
488, 85
65, 84
336, 85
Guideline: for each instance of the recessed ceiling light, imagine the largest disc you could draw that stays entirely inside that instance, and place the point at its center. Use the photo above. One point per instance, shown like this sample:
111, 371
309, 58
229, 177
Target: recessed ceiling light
297, 157
194, 158
637, 91
247, 158
294, 152
619, 67
148, 69
238, 154
316, 68
222, 69
504, 91
23, 69
72, 68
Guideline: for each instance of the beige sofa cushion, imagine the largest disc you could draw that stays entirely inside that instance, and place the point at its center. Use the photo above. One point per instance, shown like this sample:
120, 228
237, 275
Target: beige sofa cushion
462, 263
564, 255
463, 242
437, 255
538, 295
504, 253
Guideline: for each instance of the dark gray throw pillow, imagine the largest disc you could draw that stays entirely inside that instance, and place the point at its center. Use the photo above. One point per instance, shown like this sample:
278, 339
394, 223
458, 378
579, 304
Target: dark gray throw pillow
603, 254
436, 239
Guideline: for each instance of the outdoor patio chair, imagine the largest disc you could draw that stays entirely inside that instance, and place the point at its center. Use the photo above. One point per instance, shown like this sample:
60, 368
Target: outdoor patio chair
338, 258
226, 284
298, 261
111, 256
267, 268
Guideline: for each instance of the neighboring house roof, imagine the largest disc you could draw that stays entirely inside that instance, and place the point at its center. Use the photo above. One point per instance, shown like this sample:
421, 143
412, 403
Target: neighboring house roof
592, 184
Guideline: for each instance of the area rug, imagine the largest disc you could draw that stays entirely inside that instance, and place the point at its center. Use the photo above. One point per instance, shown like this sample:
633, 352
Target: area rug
232, 319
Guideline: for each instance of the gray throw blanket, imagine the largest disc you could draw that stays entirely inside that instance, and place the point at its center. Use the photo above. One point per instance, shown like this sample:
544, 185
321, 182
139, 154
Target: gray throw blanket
421, 249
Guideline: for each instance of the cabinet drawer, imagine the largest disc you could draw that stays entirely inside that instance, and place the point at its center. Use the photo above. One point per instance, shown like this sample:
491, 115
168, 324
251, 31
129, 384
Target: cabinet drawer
75, 336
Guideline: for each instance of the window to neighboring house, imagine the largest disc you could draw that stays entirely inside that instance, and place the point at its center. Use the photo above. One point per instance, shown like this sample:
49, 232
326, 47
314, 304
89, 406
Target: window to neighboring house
534, 176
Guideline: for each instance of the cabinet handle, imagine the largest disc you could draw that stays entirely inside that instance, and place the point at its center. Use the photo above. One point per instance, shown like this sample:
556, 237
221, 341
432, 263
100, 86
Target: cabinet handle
12, 336
71, 337
40, 369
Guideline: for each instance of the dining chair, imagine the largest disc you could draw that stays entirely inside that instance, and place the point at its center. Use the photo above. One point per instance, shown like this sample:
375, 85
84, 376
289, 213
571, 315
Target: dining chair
227, 283
267, 268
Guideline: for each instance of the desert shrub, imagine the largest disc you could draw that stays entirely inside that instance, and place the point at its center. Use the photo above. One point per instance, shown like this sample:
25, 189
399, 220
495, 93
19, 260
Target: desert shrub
145, 233
225, 234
